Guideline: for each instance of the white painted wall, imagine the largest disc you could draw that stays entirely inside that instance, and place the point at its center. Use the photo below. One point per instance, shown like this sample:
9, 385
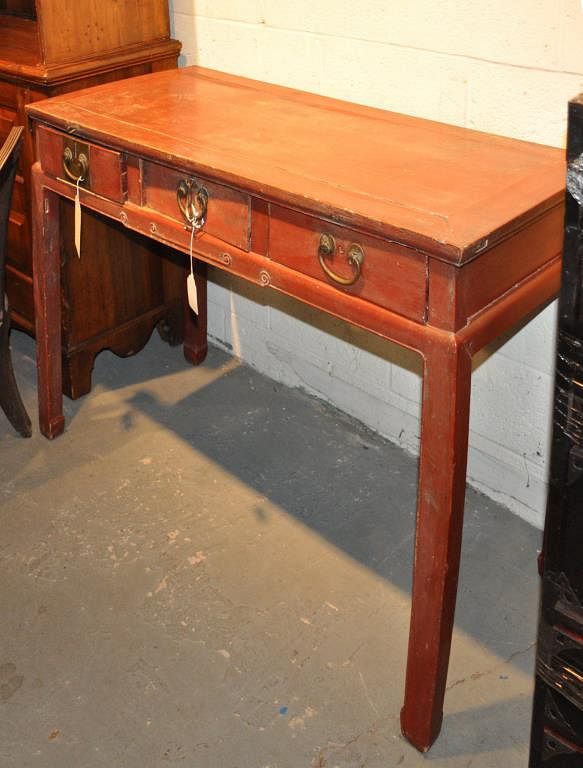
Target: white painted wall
498, 66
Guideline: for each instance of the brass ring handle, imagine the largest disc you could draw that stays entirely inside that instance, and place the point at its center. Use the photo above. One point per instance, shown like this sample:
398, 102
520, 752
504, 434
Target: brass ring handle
327, 247
76, 168
193, 202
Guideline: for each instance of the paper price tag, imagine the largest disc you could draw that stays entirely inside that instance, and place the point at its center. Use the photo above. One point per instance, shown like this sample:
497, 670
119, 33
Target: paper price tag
192, 293
190, 281
78, 221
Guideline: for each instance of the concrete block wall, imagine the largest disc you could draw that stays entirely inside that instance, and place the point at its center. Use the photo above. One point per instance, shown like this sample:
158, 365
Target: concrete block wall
506, 68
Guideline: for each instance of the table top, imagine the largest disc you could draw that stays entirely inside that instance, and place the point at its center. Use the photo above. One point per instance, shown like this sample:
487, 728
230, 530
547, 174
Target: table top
444, 189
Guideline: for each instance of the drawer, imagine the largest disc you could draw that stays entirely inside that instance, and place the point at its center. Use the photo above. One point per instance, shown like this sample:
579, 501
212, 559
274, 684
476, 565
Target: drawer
561, 714
106, 169
20, 296
9, 95
7, 121
391, 275
228, 210
18, 254
18, 202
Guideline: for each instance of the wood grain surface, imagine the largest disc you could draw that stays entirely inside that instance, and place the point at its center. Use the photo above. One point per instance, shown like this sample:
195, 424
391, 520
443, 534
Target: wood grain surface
425, 184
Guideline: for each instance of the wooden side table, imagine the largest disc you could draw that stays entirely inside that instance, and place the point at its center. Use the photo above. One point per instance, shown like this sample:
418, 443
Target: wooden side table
437, 238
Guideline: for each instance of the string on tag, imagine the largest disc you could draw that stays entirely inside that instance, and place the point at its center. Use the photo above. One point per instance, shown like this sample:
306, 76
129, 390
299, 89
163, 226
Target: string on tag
190, 281
78, 219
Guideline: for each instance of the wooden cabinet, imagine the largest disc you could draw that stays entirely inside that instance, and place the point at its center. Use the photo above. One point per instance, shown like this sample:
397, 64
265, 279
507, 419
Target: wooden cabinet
49, 47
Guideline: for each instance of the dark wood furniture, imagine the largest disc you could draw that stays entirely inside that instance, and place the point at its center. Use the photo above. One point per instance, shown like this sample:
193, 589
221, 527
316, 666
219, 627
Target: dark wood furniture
10, 400
49, 47
557, 723
437, 238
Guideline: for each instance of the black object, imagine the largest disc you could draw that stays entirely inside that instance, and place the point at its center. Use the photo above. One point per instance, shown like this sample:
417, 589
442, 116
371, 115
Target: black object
10, 400
557, 722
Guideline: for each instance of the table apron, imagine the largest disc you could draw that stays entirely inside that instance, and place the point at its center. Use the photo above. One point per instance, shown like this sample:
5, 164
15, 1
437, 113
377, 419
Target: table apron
531, 295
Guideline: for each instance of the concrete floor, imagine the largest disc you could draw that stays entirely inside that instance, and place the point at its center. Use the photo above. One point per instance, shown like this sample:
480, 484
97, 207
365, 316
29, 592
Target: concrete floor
212, 570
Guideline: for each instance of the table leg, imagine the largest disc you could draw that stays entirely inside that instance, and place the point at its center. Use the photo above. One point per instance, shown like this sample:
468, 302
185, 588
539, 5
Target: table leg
195, 325
46, 256
171, 327
77, 372
440, 505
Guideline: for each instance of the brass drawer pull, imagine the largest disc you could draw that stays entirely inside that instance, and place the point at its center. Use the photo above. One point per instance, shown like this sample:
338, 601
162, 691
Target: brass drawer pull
76, 166
327, 247
193, 202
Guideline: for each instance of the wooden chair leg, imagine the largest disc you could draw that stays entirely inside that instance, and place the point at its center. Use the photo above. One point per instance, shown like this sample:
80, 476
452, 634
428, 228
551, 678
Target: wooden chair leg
10, 400
442, 481
195, 325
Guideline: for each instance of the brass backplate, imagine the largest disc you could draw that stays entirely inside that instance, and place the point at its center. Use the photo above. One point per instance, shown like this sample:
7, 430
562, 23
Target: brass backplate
78, 149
